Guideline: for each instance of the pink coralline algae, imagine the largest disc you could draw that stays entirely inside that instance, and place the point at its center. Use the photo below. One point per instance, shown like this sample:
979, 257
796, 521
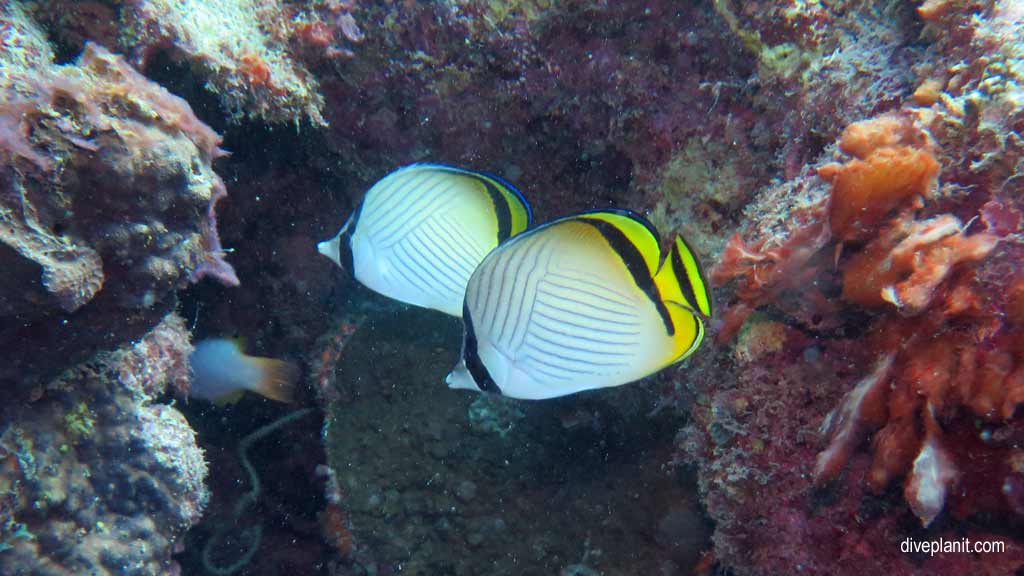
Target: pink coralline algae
107, 199
890, 410
97, 477
588, 101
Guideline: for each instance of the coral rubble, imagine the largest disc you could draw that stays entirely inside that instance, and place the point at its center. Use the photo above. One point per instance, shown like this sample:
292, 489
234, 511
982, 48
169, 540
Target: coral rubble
97, 477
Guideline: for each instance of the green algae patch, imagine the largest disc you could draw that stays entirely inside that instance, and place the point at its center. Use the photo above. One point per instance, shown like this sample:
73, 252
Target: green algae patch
695, 191
79, 422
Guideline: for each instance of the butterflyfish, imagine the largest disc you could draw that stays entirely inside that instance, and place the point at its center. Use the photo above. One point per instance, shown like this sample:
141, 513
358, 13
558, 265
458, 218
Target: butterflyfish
579, 303
421, 231
222, 372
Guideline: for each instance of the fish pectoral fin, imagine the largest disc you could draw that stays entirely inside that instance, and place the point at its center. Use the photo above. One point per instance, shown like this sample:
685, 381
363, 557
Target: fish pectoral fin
689, 330
277, 379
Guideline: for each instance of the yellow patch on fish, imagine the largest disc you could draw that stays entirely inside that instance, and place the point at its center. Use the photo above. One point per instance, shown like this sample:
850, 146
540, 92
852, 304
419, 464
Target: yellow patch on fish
580, 303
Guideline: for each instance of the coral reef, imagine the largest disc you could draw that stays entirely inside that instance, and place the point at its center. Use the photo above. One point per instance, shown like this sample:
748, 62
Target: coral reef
485, 84
700, 188
107, 206
98, 478
866, 379
821, 66
895, 275
241, 47
258, 57
107, 200
668, 112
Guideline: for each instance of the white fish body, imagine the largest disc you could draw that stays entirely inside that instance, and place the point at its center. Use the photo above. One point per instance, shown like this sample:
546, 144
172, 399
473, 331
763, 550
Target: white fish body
557, 310
421, 231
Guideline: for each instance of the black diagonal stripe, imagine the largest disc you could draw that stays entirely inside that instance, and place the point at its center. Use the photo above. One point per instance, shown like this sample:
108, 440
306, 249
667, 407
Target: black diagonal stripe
636, 265
687, 286
471, 357
501, 208
683, 280
501, 204
345, 255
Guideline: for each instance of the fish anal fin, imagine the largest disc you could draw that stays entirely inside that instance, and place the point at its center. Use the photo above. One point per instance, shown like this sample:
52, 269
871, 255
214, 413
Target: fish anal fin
277, 379
331, 249
229, 398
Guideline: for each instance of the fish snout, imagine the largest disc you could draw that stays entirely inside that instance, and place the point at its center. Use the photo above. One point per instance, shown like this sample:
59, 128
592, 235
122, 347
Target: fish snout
460, 378
329, 248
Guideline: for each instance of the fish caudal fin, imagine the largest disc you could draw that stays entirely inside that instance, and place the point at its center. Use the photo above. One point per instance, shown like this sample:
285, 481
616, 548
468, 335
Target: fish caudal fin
682, 280
689, 331
277, 379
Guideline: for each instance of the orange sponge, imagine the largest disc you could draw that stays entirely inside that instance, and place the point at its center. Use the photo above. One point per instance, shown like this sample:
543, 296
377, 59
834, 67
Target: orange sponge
908, 261
862, 138
892, 165
865, 191
871, 269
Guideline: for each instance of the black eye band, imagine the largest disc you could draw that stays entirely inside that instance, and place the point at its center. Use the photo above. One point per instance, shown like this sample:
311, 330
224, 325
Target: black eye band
472, 359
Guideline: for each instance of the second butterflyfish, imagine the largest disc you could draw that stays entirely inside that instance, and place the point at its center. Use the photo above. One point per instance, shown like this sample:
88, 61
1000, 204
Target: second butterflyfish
580, 303
421, 231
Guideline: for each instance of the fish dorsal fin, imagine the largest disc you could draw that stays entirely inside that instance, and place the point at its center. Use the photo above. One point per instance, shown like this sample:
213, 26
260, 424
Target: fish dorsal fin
635, 228
277, 379
636, 243
512, 212
689, 331
681, 279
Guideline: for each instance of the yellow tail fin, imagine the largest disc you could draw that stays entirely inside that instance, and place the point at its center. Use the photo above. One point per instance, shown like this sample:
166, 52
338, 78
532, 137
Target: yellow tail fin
681, 279
277, 379
689, 331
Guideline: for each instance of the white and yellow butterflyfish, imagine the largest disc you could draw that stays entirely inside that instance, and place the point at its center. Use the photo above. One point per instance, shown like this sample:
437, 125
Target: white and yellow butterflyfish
421, 231
582, 302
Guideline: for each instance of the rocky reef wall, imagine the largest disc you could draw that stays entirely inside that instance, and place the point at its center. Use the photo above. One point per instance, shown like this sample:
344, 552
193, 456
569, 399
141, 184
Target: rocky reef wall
108, 203
98, 477
107, 208
870, 394
849, 171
